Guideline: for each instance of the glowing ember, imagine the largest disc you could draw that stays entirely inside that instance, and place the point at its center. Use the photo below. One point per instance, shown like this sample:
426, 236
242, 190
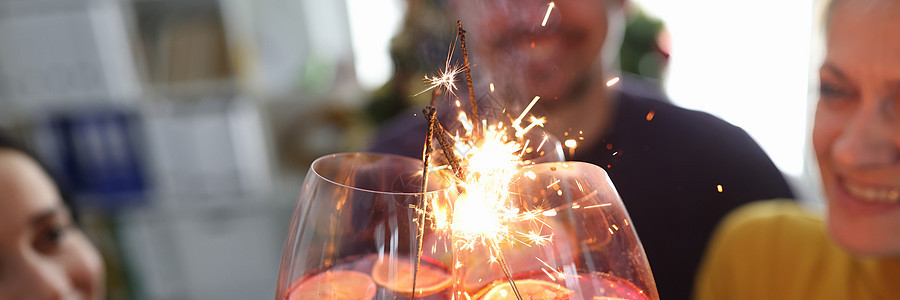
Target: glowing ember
445, 80
547, 16
612, 81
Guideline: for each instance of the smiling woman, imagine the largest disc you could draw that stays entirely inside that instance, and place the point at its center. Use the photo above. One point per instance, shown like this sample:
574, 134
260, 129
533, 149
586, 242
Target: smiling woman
776, 250
43, 255
857, 132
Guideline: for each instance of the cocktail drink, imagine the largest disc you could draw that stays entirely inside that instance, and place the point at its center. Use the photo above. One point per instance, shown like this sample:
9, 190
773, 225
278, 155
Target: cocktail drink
368, 277
356, 279
353, 232
567, 236
536, 285
563, 234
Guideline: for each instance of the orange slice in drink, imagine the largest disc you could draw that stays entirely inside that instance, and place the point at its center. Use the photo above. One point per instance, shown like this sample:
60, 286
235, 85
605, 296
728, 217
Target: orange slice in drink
529, 289
338, 285
397, 275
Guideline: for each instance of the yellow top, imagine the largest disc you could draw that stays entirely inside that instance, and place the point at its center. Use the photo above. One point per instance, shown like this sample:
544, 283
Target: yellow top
775, 250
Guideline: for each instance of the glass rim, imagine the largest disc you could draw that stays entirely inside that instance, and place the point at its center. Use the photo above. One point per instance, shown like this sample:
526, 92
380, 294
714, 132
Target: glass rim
312, 168
578, 164
569, 164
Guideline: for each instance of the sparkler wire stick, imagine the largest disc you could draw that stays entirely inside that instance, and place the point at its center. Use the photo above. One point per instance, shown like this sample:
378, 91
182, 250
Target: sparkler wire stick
447, 147
434, 94
505, 268
420, 207
465, 55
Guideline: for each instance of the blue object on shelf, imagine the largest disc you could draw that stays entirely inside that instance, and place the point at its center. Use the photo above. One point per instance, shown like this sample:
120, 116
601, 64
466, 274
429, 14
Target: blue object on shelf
95, 153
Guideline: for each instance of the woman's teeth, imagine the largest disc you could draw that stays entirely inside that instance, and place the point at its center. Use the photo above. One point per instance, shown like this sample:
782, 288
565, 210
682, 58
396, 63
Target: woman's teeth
874, 195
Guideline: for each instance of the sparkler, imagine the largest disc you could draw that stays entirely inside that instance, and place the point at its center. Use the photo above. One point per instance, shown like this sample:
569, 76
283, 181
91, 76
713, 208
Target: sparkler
447, 148
421, 205
468, 68
491, 161
485, 160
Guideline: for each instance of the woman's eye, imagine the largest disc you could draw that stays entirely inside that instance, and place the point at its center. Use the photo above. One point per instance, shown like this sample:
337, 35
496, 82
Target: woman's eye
828, 91
50, 238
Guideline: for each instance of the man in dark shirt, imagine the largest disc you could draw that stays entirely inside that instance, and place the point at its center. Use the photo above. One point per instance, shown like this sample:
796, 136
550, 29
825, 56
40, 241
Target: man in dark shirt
678, 171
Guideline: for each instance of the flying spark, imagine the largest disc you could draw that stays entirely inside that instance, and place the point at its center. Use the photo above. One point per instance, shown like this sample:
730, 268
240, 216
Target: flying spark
598, 205
612, 81
547, 15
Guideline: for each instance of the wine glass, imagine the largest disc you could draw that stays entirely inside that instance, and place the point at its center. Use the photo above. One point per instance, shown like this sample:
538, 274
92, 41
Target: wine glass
564, 234
567, 236
353, 231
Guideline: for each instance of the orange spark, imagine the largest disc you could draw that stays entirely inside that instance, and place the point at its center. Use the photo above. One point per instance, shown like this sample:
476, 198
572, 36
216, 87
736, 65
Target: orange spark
547, 15
554, 183
598, 205
542, 143
518, 121
548, 273
559, 274
612, 81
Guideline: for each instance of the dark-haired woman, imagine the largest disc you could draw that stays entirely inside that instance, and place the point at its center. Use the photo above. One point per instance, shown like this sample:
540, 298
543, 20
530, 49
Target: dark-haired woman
43, 255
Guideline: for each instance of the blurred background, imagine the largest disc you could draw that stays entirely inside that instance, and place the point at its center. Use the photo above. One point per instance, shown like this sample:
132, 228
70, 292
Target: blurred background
185, 127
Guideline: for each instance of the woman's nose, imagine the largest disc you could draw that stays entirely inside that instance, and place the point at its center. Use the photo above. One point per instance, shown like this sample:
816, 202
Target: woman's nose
868, 140
41, 279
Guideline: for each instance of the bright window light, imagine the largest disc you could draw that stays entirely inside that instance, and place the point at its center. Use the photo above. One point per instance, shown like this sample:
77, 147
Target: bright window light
372, 25
746, 62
